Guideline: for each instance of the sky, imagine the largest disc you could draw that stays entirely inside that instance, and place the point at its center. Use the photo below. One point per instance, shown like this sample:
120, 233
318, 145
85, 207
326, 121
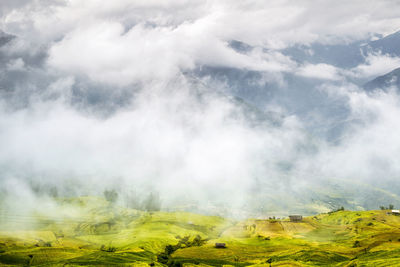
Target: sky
143, 96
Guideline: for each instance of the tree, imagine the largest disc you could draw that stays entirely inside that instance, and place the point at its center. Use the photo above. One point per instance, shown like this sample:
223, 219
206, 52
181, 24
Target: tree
53, 192
111, 195
391, 206
132, 200
152, 202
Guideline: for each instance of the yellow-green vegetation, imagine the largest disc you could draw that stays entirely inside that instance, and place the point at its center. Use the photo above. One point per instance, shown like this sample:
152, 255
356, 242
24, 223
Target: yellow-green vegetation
91, 231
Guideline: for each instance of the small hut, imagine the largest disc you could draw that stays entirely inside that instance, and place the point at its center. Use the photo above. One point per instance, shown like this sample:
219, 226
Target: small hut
395, 212
220, 245
295, 218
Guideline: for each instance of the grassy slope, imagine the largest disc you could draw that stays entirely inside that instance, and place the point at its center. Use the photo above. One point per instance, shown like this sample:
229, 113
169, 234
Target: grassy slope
338, 239
343, 238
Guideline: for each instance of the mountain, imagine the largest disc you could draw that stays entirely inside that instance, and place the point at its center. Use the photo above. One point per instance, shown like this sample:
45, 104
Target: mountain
387, 45
345, 55
339, 55
385, 81
324, 116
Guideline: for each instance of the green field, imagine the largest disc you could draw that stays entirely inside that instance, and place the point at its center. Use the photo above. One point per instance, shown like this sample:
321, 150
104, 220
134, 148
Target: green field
93, 232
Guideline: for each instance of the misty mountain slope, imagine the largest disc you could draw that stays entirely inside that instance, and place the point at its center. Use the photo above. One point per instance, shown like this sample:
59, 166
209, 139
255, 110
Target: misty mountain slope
251, 113
391, 79
319, 197
299, 96
323, 114
345, 55
389, 44
353, 195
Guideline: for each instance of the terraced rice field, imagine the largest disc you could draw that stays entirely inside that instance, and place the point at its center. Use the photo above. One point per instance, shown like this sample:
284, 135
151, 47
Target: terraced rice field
107, 235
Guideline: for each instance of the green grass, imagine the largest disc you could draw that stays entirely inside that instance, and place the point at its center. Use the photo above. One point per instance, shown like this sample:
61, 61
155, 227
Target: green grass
96, 233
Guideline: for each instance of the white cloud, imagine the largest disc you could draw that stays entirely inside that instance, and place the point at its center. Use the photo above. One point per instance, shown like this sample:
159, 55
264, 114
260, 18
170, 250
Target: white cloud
168, 141
172, 136
370, 150
273, 22
320, 71
106, 53
375, 65
123, 42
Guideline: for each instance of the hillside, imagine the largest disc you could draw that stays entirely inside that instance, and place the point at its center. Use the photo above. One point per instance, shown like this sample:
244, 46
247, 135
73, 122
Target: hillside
385, 81
93, 232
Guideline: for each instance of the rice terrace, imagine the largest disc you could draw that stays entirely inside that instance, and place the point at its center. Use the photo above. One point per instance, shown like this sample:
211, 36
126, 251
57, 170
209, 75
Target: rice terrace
110, 235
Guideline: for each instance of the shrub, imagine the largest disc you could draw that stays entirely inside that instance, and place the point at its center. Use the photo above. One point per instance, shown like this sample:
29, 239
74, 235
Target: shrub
356, 244
108, 249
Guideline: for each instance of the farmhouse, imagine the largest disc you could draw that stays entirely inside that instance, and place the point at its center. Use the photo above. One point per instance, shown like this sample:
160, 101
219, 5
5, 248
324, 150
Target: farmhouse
395, 212
220, 245
295, 218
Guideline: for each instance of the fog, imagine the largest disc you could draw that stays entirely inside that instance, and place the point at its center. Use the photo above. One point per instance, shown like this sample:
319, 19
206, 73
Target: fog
145, 97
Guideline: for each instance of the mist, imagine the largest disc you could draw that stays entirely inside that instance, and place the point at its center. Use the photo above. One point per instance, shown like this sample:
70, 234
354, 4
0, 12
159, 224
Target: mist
199, 104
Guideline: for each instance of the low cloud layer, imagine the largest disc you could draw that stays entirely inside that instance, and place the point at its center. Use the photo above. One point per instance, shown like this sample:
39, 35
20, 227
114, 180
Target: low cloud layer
142, 95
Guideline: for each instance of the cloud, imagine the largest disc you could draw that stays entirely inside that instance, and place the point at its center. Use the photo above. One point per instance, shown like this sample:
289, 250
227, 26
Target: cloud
167, 142
107, 53
16, 65
159, 125
376, 64
319, 71
124, 42
274, 22
369, 150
